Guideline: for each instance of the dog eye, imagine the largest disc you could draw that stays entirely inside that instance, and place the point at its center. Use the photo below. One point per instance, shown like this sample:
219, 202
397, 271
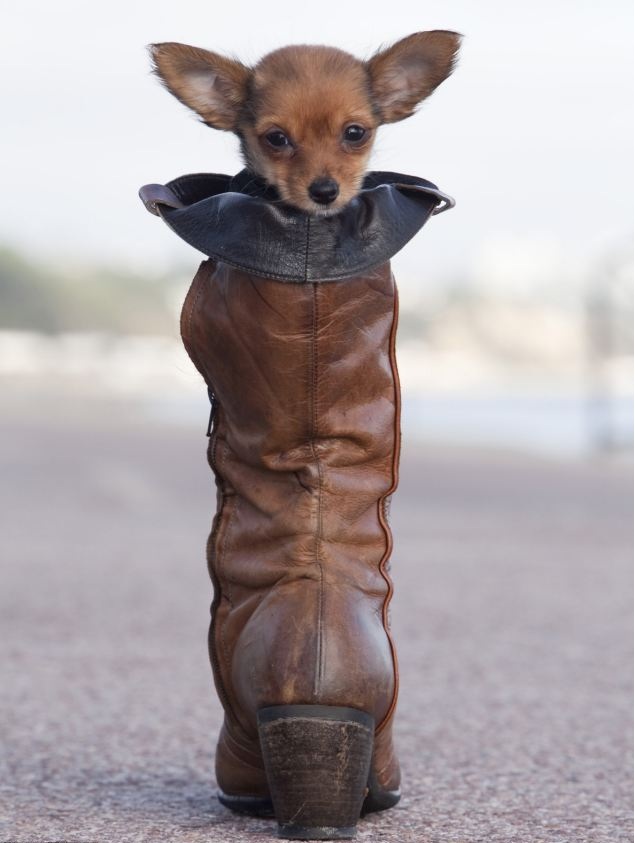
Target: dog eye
277, 139
354, 133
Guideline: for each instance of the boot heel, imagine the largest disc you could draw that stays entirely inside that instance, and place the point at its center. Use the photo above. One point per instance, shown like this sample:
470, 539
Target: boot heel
317, 760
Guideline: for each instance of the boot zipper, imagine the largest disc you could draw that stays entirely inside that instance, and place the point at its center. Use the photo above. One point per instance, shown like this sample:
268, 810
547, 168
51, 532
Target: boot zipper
212, 432
213, 400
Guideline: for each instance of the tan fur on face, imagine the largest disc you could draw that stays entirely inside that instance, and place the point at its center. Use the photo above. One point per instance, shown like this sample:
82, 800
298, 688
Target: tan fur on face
310, 94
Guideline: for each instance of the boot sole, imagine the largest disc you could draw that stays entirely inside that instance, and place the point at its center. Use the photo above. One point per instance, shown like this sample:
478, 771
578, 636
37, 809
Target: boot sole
317, 762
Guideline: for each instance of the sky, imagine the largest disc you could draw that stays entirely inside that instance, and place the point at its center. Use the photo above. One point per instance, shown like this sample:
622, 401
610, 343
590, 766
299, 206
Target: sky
532, 134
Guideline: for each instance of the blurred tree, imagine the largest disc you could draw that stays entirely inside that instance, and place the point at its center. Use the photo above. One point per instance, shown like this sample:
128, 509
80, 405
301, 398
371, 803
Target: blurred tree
36, 297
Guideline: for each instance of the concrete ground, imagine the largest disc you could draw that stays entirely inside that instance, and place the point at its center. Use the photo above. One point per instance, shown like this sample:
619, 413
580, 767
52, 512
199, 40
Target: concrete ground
512, 616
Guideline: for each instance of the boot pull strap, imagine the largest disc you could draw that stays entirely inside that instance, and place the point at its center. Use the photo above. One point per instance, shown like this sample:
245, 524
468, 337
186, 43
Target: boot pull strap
153, 195
445, 201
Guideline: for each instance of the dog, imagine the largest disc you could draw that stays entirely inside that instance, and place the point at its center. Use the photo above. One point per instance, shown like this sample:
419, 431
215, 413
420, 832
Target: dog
307, 116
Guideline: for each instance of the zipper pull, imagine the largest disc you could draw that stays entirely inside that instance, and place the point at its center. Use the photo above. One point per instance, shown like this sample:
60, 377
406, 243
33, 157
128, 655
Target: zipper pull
213, 400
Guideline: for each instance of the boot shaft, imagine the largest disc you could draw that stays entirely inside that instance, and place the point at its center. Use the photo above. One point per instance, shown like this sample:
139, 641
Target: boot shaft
305, 450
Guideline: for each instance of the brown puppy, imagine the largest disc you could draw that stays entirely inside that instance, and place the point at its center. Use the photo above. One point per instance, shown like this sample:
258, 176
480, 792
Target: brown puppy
307, 116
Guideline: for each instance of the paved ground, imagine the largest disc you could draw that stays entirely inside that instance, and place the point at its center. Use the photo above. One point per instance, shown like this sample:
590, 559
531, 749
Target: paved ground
512, 616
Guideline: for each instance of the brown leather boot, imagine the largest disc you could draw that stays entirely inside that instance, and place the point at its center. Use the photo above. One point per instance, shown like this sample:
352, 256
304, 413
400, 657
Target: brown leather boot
305, 448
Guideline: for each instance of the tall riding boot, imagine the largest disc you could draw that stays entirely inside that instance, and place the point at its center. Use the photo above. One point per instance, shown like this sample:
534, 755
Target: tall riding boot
292, 325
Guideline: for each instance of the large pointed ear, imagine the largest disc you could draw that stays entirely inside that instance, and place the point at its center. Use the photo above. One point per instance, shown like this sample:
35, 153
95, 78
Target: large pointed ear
403, 75
212, 85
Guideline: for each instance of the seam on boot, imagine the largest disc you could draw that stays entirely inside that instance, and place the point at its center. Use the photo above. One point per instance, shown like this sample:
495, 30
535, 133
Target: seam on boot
383, 521
319, 656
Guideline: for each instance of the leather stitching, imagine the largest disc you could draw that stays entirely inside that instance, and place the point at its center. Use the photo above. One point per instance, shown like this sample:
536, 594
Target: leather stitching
306, 249
238, 751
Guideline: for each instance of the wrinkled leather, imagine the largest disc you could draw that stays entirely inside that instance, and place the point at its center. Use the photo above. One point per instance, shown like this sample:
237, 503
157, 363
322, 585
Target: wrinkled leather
305, 449
241, 221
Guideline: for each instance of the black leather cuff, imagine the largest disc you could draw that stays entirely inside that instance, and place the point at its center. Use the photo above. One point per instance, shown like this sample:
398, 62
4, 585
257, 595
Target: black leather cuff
240, 220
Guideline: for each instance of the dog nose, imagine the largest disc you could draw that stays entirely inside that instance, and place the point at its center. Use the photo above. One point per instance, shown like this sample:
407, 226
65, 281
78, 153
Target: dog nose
323, 190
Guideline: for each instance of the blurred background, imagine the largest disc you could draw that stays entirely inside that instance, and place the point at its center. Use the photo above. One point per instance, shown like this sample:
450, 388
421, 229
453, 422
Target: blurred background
513, 520
516, 326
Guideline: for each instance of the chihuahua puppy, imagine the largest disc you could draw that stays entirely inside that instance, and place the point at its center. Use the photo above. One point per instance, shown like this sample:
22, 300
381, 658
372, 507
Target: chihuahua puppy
307, 116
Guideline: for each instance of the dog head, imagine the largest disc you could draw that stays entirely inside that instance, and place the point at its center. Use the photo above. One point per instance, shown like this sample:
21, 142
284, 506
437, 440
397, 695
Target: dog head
307, 116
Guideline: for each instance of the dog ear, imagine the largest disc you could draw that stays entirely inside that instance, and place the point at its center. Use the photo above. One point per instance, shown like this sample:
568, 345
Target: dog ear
406, 73
213, 86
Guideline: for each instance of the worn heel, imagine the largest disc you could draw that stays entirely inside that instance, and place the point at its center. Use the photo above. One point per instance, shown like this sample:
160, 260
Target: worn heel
317, 760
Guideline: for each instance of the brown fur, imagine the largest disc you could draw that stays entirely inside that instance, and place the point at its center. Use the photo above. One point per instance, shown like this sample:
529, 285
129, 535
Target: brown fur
311, 94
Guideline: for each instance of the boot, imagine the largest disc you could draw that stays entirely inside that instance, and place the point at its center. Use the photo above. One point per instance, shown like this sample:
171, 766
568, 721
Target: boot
292, 324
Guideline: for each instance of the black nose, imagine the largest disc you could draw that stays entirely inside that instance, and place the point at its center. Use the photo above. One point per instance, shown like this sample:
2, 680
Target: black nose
324, 191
